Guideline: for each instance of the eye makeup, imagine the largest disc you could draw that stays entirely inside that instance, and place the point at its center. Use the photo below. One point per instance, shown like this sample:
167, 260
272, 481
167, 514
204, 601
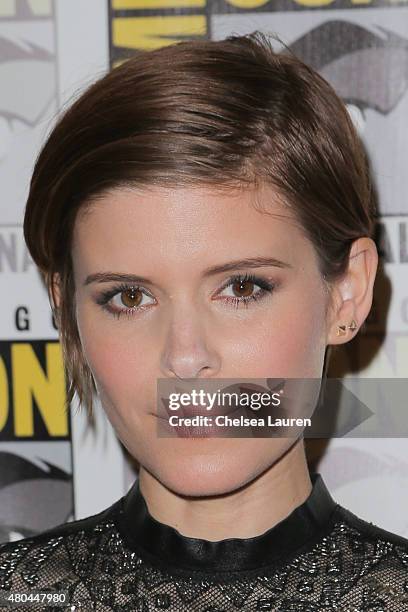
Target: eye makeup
105, 298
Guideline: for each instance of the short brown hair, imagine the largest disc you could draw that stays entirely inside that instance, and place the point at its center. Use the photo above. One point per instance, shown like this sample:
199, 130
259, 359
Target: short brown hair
223, 113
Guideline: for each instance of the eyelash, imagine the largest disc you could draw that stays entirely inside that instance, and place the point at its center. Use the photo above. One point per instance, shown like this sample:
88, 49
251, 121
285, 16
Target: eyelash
266, 288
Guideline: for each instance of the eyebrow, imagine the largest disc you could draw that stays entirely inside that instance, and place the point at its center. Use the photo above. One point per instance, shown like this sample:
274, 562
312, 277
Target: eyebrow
251, 262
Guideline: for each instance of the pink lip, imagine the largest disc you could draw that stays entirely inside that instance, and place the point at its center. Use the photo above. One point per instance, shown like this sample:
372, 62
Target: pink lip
191, 410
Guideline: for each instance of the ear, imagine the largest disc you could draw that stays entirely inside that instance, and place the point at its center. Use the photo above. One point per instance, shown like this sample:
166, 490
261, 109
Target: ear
352, 295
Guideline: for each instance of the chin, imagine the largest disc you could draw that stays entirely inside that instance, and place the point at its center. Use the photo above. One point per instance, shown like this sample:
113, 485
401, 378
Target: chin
202, 476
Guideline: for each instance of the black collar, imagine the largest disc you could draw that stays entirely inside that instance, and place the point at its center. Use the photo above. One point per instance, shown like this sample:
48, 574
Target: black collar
159, 542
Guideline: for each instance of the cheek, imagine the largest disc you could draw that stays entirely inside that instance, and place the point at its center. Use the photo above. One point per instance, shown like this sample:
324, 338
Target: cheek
120, 361
287, 341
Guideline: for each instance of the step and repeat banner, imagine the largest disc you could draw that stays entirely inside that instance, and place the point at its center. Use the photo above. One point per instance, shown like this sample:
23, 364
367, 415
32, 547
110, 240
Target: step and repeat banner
48, 456
53, 467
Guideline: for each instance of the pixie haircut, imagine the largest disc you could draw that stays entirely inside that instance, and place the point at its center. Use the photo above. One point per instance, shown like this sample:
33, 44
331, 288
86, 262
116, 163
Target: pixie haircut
229, 113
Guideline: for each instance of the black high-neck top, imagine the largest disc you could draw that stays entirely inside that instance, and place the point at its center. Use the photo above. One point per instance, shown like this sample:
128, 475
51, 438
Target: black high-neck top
321, 557
164, 544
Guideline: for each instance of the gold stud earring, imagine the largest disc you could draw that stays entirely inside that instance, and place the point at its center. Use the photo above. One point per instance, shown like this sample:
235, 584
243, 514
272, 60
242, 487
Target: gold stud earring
341, 329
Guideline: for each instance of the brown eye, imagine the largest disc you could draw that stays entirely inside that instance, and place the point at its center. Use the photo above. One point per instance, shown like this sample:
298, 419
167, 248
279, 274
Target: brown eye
241, 289
125, 300
244, 288
131, 298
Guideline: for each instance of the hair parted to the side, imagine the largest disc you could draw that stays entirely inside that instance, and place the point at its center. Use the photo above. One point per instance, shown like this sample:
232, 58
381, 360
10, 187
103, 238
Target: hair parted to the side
220, 113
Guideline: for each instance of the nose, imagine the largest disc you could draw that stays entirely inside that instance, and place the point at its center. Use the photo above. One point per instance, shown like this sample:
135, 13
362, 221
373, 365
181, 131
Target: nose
188, 351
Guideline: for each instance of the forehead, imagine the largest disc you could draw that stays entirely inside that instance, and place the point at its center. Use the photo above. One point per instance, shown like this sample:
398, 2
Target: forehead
190, 222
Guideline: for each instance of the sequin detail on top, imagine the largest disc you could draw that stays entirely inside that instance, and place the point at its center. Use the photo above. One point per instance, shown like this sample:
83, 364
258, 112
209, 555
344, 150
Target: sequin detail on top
347, 569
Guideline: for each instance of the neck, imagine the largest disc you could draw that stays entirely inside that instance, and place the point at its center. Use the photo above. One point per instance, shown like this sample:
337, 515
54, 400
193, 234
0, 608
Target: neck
247, 512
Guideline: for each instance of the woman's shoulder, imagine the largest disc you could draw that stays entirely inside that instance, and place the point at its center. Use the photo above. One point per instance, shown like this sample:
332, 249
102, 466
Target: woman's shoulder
374, 559
56, 559
367, 531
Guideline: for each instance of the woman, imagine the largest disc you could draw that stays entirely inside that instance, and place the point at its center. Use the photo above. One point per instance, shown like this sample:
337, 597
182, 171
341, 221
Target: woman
204, 211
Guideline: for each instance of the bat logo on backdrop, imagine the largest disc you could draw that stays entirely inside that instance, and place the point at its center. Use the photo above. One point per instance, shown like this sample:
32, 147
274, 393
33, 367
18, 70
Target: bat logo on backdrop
339, 49
28, 95
367, 68
35, 68
20, 480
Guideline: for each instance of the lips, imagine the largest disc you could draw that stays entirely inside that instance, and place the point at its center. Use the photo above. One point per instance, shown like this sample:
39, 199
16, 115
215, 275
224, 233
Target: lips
191, 410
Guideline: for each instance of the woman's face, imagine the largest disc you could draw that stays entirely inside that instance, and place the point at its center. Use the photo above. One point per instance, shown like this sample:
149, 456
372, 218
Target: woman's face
183, 321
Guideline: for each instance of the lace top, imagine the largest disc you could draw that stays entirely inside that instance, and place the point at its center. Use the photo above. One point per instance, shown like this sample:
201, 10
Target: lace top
321, 557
